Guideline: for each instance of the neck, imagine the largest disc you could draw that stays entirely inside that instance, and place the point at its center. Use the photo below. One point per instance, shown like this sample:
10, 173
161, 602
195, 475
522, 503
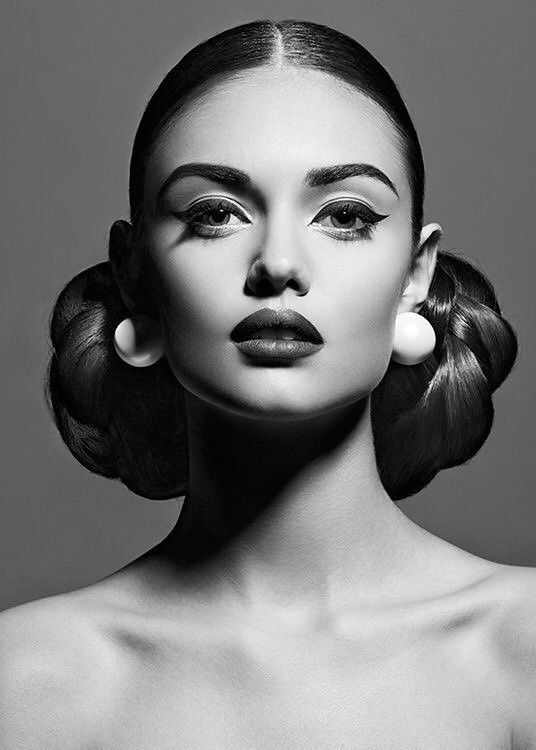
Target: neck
288, 513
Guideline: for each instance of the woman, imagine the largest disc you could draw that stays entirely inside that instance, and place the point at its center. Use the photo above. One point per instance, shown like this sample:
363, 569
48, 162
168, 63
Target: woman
276, 192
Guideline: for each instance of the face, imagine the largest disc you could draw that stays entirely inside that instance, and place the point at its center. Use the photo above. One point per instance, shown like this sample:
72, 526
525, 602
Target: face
337, 253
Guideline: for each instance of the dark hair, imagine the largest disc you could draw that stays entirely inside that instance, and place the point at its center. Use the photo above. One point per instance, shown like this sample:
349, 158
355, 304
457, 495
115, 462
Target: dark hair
128, 423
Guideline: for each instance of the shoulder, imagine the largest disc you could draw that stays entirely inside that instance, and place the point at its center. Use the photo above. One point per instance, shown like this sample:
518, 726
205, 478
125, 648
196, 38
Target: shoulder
513, 633
513, 591
53, 665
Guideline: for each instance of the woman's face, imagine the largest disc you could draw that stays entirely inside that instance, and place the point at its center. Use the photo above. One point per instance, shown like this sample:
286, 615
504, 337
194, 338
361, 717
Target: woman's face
279, 242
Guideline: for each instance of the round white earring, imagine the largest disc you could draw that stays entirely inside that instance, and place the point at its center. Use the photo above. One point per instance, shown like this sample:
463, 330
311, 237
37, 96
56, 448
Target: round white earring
414, 339
138, 340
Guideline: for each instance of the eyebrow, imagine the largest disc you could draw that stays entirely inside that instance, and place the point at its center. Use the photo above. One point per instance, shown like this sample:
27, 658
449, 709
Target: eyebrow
233, 177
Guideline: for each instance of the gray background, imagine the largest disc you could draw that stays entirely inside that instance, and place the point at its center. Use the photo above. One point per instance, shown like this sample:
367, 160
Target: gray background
76, 76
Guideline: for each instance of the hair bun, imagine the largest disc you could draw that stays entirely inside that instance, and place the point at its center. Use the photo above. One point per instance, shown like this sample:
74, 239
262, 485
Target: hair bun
438, 414
114, 420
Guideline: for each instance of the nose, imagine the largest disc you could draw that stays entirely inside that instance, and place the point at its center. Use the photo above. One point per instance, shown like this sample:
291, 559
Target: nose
278, 264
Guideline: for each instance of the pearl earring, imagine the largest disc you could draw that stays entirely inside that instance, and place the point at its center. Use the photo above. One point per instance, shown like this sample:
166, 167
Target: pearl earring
414, 339
138, 341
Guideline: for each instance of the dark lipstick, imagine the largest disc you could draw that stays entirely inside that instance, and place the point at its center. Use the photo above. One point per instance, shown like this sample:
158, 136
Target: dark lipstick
298, 339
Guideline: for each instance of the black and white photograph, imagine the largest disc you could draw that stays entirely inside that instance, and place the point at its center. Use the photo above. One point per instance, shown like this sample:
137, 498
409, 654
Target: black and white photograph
269, 365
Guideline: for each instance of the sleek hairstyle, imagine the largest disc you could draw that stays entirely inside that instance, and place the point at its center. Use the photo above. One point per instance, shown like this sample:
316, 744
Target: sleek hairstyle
128, 423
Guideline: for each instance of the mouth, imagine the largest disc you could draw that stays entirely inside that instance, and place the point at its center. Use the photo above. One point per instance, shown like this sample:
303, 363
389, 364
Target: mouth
276, 335
280, 325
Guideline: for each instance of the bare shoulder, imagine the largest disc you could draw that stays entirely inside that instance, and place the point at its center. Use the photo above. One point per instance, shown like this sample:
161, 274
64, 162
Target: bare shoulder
514, 636
514, 587
54, 663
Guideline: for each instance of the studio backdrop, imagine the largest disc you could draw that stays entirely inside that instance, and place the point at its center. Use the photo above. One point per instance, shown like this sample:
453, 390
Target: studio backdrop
75, 79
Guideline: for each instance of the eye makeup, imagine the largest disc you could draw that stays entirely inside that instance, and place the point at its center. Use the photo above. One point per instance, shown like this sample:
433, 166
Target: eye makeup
213, 207
344, 211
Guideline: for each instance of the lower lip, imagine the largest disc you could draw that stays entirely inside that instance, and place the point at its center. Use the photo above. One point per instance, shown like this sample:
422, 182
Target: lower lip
277, 348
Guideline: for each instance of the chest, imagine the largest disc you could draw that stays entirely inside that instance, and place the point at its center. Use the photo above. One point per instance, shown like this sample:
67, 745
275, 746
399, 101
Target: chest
383, 692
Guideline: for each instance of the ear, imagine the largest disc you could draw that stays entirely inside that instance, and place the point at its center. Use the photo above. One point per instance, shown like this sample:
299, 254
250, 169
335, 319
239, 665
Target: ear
419, 278
126, 264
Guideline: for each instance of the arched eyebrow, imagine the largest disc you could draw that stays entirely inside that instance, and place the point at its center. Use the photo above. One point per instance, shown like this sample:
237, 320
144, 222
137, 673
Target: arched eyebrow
325, 175
236, 178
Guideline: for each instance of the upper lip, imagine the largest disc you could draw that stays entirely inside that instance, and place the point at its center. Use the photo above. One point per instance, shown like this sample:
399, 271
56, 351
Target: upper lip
268, 318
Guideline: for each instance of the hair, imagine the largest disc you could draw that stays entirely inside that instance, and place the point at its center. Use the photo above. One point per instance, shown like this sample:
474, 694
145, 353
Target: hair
128, 423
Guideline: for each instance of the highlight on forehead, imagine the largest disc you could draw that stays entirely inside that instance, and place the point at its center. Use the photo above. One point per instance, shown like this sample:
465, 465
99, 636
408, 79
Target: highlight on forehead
200, 98
222, 85
291, 48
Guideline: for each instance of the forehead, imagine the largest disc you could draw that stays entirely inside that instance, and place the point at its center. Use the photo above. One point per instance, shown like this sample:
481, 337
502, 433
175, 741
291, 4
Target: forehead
275, 124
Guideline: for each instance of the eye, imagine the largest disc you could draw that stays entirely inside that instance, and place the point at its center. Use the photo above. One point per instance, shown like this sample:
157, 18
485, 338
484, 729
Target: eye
351, 220
210, 217
207, 218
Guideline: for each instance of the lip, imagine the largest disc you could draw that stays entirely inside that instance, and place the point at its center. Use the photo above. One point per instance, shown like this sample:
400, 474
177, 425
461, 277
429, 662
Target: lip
277, 348
306, 333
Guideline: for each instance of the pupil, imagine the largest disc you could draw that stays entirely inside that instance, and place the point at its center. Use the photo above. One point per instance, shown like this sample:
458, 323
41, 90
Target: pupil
346, 217
218, 214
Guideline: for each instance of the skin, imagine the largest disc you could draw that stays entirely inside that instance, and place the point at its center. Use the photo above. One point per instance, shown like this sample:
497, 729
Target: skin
280, 454
293, 604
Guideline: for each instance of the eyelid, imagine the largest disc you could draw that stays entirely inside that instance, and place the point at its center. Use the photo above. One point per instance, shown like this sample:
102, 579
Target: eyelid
362, 202
346, 199
358, 205
211, 200
207, 203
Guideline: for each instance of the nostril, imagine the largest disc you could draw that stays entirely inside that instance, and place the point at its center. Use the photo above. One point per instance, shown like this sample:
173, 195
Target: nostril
265, 282
265, 286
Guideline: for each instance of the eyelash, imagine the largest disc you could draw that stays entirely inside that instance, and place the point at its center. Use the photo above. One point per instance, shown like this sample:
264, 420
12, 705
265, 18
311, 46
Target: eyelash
354, 210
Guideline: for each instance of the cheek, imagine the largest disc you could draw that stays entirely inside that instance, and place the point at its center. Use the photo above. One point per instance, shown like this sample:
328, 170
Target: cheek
353, 301
363, 317
195, 310
189, 287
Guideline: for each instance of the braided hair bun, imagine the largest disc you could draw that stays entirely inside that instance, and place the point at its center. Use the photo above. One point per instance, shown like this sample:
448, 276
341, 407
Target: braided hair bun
438, 414
115, 419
